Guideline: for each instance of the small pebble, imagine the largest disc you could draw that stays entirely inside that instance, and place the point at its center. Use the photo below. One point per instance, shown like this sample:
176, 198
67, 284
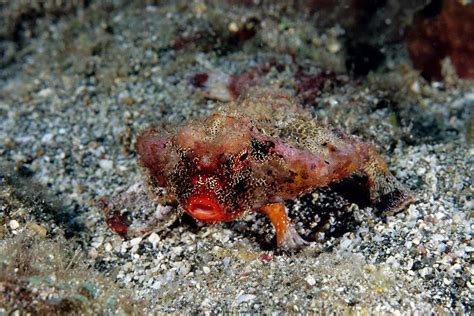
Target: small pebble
334, 46
310, 280
45, 93
47, 138
233, 27
415, 87
135, 241
108, 247
106, 164
421, 171
154, 239
14, 224
345, 244
244, 298
97, 242
226, 262
92, 253
438, 237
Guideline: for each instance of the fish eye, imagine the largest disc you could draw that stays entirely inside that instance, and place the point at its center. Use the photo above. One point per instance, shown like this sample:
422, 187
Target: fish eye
243, 156
238, 161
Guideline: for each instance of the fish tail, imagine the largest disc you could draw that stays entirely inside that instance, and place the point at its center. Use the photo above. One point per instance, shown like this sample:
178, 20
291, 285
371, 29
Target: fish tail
387, 194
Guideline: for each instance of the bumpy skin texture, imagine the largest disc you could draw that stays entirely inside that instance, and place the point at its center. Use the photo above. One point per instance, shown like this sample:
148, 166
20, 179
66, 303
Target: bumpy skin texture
254, 154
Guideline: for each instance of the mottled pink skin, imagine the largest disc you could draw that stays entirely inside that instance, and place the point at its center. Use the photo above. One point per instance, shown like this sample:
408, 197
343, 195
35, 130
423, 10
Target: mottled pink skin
195, 169
322, 170
150, 147
313, 171
256, 154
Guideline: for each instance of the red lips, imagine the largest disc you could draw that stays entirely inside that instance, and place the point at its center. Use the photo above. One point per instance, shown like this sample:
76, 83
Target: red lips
204, 205
204, 208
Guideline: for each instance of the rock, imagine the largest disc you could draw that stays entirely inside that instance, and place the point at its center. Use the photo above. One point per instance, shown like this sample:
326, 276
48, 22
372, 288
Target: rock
244, 298
154, 239
135, 241
46, 93
310, 280
106, 164
14, 224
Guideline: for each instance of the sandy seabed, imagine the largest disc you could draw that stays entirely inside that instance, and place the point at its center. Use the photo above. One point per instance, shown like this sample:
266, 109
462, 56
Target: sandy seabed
78, 84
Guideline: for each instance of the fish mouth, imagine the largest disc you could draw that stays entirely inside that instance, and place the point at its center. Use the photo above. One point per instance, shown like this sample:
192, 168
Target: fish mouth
205, 209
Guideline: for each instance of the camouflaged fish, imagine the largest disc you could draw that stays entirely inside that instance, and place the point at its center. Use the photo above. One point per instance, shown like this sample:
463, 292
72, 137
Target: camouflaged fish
255, 153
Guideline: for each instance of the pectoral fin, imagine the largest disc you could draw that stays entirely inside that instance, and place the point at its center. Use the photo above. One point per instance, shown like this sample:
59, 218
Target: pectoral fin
286, 235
